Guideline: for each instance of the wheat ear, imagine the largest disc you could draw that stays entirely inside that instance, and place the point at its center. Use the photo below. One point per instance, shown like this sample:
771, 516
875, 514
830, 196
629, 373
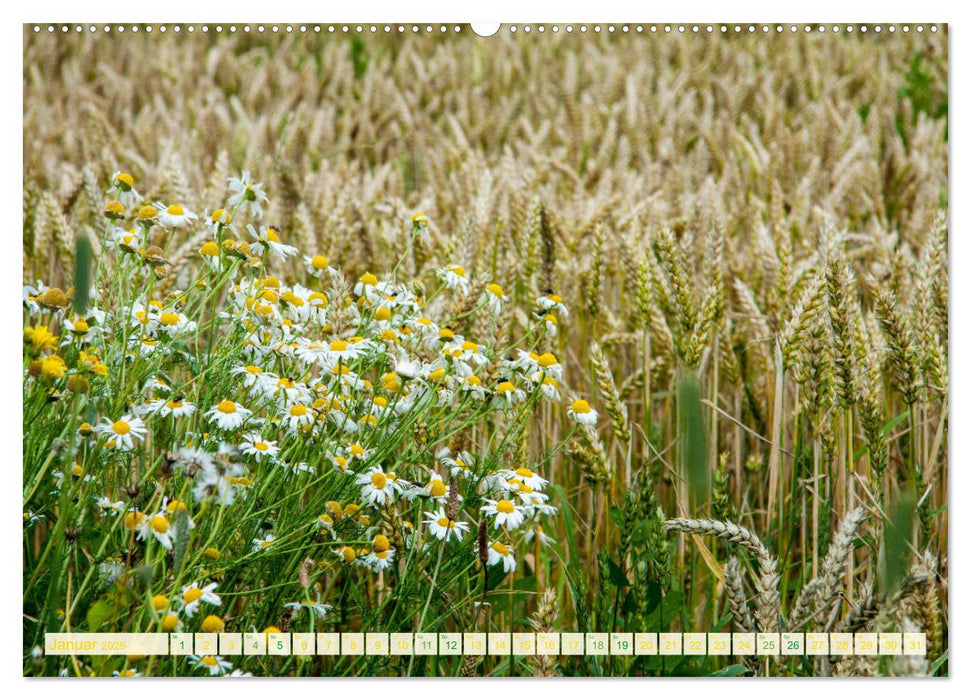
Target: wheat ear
767, 600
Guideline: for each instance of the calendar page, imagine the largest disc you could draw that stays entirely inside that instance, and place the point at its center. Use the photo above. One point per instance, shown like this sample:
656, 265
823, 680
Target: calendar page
373, 349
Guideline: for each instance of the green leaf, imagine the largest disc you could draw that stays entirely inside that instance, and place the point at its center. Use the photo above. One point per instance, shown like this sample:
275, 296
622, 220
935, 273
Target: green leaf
732, 671
181, 538
82, 273
896, 536
98, 613
693, 452
617, 575
617, 516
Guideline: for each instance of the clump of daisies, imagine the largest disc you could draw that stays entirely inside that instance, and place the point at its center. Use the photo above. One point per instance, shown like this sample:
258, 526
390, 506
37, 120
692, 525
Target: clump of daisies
209, 416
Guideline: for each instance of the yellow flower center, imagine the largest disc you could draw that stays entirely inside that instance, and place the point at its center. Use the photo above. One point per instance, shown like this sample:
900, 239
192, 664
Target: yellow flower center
379, 480
213, 623
175, 505
298, 409
436, 488
193, 594
160, 524
272, 235
505, 506
505, 387
160, 602
445, 522
369, 279
132, 519
175, 210
226, 407
500, 548
120, 427
147, 213
253, 369
318, 262
547, 359
261, 446
581, 406
173, 404
169, 319
382, 314
348, 554
524, 472
356, 450
170, 623
338, 346
125, 179
210, 249
381, 544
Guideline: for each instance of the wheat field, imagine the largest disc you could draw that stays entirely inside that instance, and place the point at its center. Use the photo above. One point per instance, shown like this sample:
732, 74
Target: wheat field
555, 332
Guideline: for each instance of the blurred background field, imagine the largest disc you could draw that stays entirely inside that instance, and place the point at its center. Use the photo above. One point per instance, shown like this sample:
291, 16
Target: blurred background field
749, 232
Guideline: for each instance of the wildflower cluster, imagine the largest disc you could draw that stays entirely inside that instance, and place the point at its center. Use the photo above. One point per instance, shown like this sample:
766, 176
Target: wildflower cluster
206, 428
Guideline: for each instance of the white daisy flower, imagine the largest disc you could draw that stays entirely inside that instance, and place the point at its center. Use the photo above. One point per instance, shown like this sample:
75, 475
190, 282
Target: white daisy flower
175, 215
549, 387
454, 277
379, 561
269, 237
228, 415
501, 553
317, 608
495, 298
505, 513
507, 394
581, 412
536, 532
122, 433
250, 373
298, 416
123, 187
554, 302
367, 286
420, 228
216, 665
460, 464
156, 526
526, 476
342, 352
552, 325
377, 487
173, 323
218, 219
444, 529
317, 265
254, 444
247, 193
193, 596
175, 407
259, 544
105, 504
